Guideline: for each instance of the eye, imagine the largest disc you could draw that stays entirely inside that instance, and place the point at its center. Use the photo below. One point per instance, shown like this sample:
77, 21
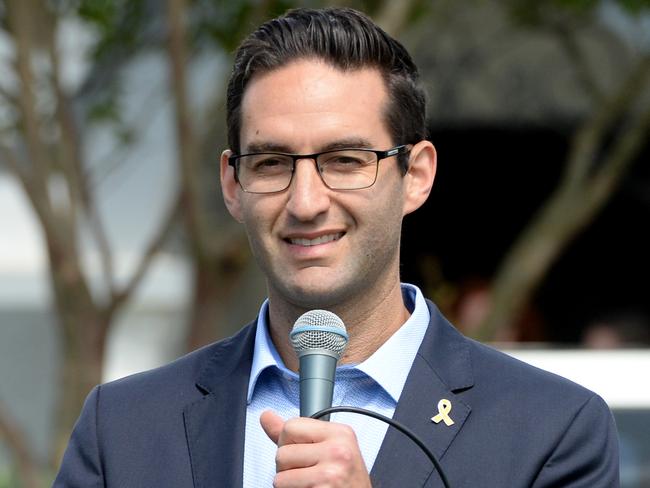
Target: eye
345, 160
269, 163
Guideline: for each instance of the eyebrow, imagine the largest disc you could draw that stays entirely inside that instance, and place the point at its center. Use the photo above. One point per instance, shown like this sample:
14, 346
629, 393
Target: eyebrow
268, 146
258, 147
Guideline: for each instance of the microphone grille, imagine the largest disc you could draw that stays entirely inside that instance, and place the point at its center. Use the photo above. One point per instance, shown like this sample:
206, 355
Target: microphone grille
319, 329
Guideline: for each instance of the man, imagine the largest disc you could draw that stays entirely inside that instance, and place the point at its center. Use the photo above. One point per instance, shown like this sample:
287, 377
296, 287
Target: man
327, 155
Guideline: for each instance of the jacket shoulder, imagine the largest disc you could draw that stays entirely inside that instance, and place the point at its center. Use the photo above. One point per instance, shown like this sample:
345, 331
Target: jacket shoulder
504, 372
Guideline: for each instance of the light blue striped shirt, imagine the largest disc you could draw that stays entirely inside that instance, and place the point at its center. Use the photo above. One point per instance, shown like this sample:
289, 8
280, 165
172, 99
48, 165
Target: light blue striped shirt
376, 384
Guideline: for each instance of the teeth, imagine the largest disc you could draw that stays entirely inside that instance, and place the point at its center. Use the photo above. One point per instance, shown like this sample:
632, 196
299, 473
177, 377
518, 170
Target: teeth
314, 242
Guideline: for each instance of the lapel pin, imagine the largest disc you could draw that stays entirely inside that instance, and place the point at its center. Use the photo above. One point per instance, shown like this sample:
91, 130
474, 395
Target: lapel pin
444, 407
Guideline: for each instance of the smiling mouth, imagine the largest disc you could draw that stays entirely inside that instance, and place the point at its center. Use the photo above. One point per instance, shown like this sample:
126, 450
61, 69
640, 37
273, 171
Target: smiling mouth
299, 241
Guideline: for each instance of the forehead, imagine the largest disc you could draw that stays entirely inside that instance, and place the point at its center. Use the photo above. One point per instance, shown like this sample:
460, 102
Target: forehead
309, 103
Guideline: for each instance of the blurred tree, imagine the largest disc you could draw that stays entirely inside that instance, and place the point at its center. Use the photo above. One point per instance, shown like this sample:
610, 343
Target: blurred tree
16, 440
605, 144
41, 144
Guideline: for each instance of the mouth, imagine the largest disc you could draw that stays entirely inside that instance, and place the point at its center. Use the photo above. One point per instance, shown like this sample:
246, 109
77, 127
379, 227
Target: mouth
324, 239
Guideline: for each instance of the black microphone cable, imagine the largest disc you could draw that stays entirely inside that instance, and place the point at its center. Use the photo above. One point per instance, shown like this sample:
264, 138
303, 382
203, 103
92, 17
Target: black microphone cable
404, 430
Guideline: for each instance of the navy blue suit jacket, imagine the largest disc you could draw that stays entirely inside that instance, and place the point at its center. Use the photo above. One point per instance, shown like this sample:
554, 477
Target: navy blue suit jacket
182, 425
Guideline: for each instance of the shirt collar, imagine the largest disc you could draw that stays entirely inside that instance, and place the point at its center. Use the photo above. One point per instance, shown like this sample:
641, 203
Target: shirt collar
388, 366
265, 355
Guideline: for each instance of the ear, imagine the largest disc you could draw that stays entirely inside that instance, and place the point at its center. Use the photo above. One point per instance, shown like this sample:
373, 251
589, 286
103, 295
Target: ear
230, 189
420, 175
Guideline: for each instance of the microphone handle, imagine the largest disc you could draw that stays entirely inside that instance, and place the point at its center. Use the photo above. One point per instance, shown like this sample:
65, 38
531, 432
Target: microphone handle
317, 372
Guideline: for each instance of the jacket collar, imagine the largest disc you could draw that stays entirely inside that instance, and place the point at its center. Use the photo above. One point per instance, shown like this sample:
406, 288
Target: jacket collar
441, 370
215, 424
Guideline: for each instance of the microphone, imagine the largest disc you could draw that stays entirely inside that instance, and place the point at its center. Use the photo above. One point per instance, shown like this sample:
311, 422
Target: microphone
319, 338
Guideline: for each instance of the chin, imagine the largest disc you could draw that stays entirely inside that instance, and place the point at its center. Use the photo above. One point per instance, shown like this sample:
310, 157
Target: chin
317, 295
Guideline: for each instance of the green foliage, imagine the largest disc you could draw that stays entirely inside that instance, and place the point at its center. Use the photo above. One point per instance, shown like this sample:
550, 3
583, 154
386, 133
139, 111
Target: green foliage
7, 479
101, 13
418, 11
105, 108
123, 24
532, 13
635, 6
224, 23
578, 6
119, 23
539, 12
369, 6
220, 22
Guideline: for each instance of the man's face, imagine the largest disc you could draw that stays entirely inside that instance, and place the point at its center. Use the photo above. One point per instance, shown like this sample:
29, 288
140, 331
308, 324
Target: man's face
320, 248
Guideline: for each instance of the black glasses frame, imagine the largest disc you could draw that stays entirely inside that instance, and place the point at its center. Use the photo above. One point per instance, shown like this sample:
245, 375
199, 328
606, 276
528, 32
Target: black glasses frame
233, 160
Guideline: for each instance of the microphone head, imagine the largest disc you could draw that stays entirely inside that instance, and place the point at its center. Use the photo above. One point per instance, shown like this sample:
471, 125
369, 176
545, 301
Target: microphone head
319, 330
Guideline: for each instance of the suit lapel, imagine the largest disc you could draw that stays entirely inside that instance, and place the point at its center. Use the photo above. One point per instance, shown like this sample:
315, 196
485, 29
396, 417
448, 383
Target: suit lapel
215, 424
440, 370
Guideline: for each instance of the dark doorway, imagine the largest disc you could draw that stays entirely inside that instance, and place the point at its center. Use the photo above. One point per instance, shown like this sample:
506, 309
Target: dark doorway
490, 182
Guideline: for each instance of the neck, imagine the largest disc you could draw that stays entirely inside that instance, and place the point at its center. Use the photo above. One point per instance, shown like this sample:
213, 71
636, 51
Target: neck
370, 321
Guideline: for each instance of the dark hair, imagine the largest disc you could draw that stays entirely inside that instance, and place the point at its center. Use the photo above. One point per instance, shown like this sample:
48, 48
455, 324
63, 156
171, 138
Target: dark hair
348, 40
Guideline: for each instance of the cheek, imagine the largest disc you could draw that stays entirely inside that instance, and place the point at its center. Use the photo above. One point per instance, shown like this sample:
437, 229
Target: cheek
381, 217
259, 216
389, 201
388, 223
257, 240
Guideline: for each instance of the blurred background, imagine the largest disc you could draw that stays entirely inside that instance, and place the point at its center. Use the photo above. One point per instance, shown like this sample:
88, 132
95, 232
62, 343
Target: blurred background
117, 255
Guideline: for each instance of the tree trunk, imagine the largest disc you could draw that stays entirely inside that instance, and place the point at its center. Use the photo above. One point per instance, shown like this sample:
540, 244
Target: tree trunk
81, 371
215, 277
17, 442
84, 327
530, 259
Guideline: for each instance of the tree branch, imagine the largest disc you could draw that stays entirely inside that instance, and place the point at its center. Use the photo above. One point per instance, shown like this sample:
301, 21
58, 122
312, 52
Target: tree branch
568, 40
8, 97
34, 191
156, 243
79, 180
57, 229
117, 155
73, 166
18, 19
12, 163
571, 207
16, 440
177, 52
587, 141
620, 157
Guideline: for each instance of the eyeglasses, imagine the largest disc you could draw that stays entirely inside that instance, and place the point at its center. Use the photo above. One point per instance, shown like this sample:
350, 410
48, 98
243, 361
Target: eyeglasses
340, 169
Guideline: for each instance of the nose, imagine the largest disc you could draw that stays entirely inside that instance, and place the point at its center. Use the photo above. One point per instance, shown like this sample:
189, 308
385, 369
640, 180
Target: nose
308, 195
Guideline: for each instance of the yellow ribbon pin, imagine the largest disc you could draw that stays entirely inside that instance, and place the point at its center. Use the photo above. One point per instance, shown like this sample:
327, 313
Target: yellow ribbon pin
444, 407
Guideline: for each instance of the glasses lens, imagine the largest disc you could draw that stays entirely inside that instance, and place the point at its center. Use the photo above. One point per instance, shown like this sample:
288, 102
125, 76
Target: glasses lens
264, 173
349, 169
